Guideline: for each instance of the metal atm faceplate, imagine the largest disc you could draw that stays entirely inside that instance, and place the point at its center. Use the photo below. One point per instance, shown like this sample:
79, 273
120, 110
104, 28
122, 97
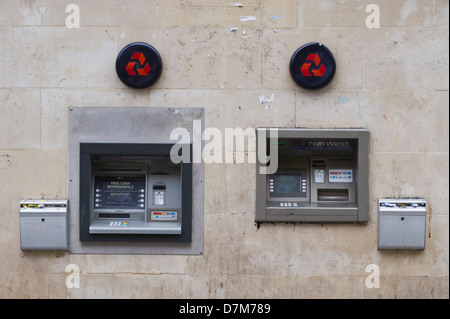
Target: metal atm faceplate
124, 196
333, 184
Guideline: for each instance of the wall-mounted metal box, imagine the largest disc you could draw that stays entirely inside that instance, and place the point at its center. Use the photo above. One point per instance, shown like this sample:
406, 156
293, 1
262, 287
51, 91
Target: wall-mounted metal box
43, 224
321, 175
401, 223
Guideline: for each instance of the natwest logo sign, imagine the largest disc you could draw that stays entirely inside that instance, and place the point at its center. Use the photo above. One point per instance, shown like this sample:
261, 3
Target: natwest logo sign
312, 66
314, 57
138, 65
131, 66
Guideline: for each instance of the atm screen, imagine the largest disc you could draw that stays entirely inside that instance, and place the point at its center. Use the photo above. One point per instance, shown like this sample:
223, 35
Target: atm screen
118, 192
285, 184
288, 185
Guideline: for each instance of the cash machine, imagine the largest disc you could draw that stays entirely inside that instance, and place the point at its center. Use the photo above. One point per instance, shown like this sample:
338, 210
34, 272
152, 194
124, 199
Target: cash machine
134, 192
321, 176
135, 186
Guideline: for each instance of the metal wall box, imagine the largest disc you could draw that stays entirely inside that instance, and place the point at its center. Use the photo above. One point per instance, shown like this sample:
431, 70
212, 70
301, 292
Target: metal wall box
401, 223
43, 224
321, 175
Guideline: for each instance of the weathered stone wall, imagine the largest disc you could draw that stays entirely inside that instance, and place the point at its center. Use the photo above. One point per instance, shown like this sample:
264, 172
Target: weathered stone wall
392, 80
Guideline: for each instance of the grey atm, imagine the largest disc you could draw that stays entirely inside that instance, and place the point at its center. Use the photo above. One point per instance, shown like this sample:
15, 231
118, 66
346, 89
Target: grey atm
322, 176
134, 193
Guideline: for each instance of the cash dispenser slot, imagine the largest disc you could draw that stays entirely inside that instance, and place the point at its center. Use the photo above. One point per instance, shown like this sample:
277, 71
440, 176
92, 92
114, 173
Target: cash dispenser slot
331, 195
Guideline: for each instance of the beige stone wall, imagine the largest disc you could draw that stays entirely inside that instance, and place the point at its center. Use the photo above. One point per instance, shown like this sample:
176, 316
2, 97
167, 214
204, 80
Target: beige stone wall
392, 80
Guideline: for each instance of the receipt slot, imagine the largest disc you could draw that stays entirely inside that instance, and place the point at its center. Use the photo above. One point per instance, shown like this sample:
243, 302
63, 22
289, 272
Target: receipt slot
322, 176
134, 192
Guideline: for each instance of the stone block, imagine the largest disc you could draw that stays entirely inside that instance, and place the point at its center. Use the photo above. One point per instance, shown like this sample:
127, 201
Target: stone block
61, 57
136, 264
400, 175
33, 175
408, 55
20, 127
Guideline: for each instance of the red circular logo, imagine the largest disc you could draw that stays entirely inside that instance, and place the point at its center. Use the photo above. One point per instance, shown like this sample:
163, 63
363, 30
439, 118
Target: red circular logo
312, 66
138, 65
